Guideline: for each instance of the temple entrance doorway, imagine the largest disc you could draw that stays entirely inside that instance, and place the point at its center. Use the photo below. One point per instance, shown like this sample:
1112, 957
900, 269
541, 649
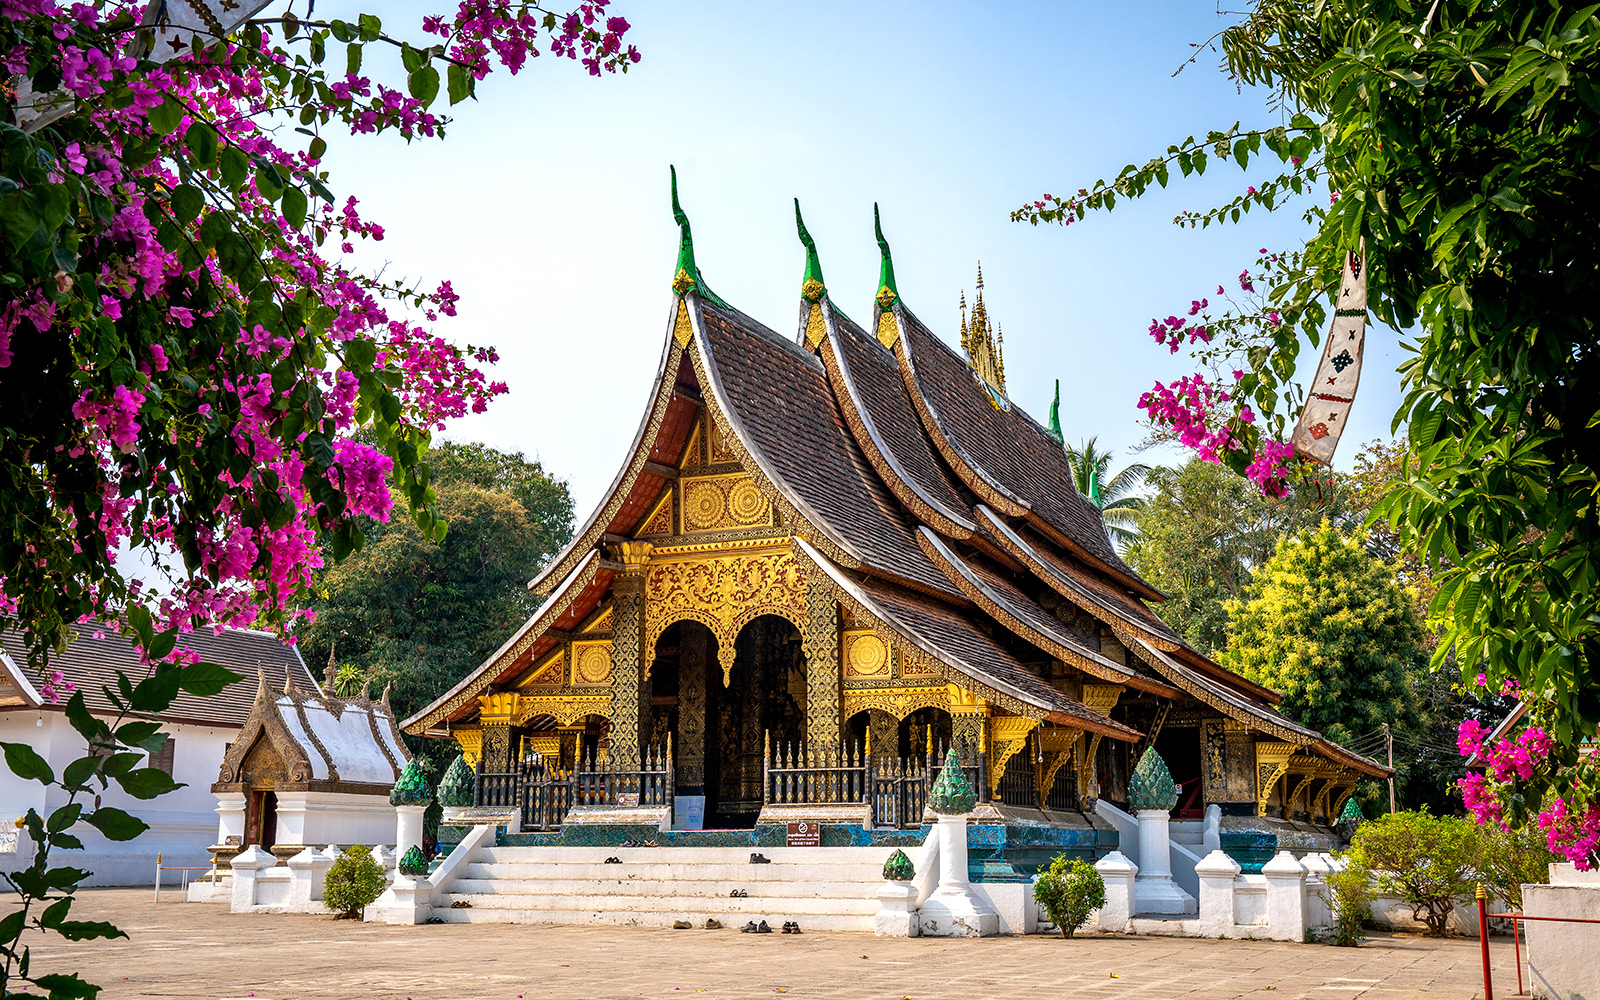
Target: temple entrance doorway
764, 697
1179, 747
261, 819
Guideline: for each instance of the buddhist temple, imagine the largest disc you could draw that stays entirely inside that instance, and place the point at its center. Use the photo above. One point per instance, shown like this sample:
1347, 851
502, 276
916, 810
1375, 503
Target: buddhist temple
830, 556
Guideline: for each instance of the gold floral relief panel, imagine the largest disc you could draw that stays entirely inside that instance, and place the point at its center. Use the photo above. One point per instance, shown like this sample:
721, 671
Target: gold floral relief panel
591, 664
724, 593
866, 655
720, 451
550, 671
721, 503
660, 520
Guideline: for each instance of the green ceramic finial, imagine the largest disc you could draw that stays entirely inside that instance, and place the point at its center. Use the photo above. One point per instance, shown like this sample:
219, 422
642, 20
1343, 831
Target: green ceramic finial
899, 868
1094, 486
1351, 810
686, 276
812, 287
887, 292
1151, 786
412, 788
413, 862
455, 789
1055, 415
951, 794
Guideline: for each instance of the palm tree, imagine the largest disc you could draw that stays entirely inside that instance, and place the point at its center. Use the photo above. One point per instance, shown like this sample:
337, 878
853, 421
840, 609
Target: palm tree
1117, 496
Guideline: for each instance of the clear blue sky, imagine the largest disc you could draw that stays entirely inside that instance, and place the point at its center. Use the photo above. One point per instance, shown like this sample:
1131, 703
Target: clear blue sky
547, 205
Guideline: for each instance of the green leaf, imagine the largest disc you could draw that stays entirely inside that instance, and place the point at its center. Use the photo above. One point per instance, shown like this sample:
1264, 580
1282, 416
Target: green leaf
146, 736
359, 356
147, 782
206, 679
114, 824
187, 202
235, 168
60, 986
294, 207
87, 930
154, 694
64, 817
317, 147
89, 727
165, 117
27, 764
424, 84
201, 138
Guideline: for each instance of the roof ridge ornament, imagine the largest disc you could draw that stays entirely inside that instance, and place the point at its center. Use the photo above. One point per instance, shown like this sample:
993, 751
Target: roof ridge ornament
686, 276
982, 346
888, 331
1055, 416
812, 286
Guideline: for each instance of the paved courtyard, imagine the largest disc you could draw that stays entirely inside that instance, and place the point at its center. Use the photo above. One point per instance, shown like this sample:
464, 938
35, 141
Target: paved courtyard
200, 950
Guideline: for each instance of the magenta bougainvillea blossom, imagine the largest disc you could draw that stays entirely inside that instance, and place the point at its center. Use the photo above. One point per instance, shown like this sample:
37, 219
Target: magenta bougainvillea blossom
1571, 829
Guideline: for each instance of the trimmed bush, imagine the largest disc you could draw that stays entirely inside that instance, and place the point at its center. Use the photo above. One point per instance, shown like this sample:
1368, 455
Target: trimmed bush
354, 881
1069, 890
1351, 890
1426, 861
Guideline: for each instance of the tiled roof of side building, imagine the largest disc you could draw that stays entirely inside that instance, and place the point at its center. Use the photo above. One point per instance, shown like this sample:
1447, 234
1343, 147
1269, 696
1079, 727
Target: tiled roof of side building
866, 376
92, 663
1004, 445
785, 411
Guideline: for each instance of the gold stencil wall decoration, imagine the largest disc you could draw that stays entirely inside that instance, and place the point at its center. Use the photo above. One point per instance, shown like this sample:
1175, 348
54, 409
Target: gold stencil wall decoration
682, 326
720, 450
660, 520
600, 624
720, 503
723, 593
866, 655
552, 671
895, 702
815, 328
471, 742
591, 664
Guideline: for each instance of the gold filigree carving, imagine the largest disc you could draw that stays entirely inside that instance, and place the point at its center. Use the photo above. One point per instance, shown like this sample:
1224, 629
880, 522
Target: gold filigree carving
692, 459
591, 664
565, 709
682, 326
723, 593
546, 745
720, 503
721, 450
911, 666
471, 742
498, 709
1008, 734
816, 329
1101, 698
601, 622
896, 702
819, 641
659, 521
865, 654
551, 671
1272, 763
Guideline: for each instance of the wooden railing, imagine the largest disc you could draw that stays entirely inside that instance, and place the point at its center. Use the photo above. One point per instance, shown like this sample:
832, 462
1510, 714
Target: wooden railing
599, 784
828, 775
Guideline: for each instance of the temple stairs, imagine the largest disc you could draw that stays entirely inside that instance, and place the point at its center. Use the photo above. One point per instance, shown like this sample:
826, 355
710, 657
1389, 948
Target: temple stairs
822, 888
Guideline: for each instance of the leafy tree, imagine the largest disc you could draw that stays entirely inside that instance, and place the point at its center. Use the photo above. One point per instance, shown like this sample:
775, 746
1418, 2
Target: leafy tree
1117, 496
1327, 625
418, 614
1459, 143
1425, 861
1202, 534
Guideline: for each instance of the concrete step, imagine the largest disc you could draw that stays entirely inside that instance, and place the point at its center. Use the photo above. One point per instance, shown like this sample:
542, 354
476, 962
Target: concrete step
664, 871
708, 905
687, 855
677, 888
776, 918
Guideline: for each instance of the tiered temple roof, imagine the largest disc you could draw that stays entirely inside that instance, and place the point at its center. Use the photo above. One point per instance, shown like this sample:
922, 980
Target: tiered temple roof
934, 508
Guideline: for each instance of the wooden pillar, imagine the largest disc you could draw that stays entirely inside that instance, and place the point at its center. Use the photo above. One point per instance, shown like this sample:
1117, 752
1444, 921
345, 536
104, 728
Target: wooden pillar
497, 714
694, 656
969, 724
820, 642
628, 693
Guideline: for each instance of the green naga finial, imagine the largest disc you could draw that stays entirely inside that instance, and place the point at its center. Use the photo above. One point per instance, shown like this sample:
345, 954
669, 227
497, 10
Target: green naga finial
1055, 415
412, 788
1151, 786
811, 287
1094, 486
951, 794
687, 275
887, 292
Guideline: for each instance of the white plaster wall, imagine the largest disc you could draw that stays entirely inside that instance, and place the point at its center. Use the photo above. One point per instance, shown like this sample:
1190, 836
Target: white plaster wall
1561, 957
183, 823
322, 818
1393, 914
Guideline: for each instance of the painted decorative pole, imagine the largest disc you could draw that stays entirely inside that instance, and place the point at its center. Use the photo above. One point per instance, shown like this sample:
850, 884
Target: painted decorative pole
952, 910
1151, 796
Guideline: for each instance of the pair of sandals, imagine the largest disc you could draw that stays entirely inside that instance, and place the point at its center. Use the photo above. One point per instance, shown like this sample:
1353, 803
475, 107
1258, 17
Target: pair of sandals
754, 928
638, 843
791, 927
738, 894
613, 860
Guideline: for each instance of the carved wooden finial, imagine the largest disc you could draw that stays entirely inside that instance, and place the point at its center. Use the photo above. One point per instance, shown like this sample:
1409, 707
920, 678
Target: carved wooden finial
384, 701
331, 672
288, 680
366, 687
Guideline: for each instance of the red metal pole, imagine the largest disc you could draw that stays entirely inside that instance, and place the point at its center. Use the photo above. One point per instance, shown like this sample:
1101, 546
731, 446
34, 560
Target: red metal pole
1483, 939
1516, 942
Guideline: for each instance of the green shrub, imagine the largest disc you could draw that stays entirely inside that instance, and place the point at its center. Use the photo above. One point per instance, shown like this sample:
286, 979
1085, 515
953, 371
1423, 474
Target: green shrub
353, 882
1425, 861
1069, 890
1507, 860
1351, 901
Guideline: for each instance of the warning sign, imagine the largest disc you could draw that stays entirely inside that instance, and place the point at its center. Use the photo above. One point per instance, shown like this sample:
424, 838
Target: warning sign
805, 834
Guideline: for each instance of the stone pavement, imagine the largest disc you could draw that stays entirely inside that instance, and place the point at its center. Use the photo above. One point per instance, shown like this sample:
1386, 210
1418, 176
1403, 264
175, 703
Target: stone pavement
182, 949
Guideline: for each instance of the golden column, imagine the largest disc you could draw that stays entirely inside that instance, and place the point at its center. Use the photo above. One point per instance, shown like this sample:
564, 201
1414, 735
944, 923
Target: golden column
820, 642
628, 694
497, 714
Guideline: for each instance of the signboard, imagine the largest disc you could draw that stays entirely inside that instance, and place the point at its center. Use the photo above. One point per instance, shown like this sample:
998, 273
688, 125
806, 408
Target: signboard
804, 834
627, 800
232, 840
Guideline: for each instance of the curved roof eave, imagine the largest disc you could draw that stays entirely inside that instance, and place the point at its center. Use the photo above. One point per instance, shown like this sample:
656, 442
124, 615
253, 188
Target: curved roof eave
955, 669
904, 486
572, 586
1060, 646
749, 453
628, 476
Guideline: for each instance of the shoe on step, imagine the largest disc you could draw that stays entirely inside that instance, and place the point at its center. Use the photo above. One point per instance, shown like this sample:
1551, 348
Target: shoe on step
794, 927
681, 925
713, 924
763, 928
750, 928
613, 861
760, 859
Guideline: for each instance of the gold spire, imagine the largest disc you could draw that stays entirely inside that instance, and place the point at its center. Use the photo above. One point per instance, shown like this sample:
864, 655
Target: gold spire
981, 345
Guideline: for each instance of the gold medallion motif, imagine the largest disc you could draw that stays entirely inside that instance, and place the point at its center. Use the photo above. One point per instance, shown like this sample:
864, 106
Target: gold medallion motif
591, 663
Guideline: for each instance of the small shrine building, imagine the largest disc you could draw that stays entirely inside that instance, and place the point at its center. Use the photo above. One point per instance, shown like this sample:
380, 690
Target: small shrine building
834, 554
